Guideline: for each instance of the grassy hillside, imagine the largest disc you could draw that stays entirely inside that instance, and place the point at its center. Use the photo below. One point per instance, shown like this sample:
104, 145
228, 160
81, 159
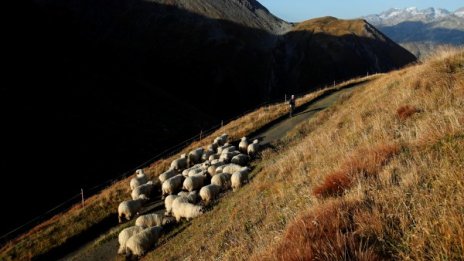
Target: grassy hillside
103, 207
376, 177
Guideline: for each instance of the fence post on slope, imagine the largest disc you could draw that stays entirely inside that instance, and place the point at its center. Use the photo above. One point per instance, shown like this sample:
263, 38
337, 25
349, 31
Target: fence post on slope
82, 195
222, 123
201, 134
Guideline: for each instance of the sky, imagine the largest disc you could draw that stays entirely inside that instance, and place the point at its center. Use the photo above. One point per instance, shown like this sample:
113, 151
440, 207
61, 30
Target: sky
299, 10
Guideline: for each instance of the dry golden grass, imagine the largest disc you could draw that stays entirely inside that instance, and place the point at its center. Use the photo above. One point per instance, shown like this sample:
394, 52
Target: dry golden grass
406, 201
60, 228
333, 26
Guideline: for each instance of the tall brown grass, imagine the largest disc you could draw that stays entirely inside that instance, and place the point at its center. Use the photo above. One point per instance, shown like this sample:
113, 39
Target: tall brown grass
405, 201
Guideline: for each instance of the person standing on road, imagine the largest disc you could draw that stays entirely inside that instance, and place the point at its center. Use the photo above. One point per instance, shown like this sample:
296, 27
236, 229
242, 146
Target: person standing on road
292, 105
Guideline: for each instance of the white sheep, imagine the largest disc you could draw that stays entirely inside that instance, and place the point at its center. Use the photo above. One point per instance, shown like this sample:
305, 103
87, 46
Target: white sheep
227, 156
213, 167
210, 192
240, 159
253, 148
129, 208
222, 180
194, 182
145, 189
167, 175
124, 235
181, 208
194, 156
213, 147
221, 140
151, 220
206, 154
172, 185
214, 157
139, 179
228, 149
220, 168
239, 178
243, 145
231, 168
168, 204
195, 172
192, 196
140, 243
179, 164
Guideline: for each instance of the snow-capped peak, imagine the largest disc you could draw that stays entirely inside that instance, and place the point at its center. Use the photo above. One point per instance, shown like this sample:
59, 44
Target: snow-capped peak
459, 12
396, 15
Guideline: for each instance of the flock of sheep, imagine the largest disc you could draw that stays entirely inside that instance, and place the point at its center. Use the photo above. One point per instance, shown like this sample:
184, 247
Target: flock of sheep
190, 184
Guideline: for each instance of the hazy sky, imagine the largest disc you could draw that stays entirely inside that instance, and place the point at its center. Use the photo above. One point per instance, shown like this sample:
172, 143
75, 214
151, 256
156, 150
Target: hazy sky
298, 10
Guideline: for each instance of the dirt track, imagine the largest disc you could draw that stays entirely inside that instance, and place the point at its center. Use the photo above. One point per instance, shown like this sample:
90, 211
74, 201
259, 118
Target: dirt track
108, 249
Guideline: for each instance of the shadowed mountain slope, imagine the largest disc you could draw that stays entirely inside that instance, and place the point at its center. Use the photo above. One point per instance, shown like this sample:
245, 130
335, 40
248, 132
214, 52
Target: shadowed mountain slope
104, 85
322, 50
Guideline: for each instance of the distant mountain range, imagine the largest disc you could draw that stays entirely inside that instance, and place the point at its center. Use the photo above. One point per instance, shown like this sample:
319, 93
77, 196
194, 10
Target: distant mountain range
421, 31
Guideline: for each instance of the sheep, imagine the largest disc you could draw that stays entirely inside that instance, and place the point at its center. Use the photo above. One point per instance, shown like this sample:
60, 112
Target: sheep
145, 189
231, 168
210, 192
194, 156
168, 204
207, 154
192, 197
240, 159
222, 180
194, 182
223, 148
139, 179
124, 235
243, 145
172, 185
195, 172
167, 175
129, 208
253, 148
181, 208
239, 178
179, 164
213, 147
228, 149
227, 156
213, 167
151, 220
221, 140
214, 157
219, 168
140, 243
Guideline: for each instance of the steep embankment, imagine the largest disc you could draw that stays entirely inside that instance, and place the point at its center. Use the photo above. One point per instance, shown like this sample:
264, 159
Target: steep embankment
376, 177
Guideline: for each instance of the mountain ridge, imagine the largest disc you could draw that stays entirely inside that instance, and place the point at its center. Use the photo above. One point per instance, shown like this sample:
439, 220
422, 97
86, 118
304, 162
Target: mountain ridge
421, 31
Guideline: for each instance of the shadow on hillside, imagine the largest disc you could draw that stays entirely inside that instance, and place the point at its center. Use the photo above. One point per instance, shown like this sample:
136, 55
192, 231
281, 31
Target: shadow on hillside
99, 86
